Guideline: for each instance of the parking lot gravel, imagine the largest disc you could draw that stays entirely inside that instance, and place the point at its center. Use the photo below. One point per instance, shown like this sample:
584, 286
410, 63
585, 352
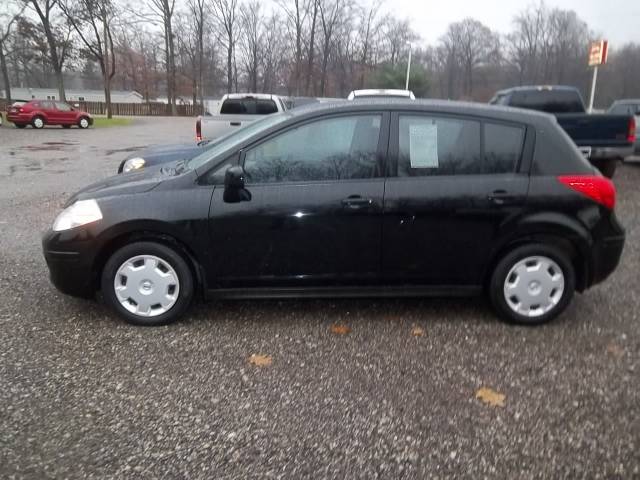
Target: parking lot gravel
84, 395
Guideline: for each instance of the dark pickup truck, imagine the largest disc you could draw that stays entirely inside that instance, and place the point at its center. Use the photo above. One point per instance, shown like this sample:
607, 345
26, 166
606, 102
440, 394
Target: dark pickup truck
604, 139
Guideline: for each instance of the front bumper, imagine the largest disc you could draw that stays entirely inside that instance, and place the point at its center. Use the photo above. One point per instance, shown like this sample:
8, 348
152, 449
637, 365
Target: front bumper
70, 269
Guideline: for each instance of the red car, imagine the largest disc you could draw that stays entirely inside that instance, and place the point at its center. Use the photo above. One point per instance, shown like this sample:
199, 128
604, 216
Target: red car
39, 113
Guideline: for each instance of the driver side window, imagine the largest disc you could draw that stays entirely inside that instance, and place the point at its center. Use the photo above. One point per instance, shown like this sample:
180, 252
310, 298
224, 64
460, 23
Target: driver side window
339, 148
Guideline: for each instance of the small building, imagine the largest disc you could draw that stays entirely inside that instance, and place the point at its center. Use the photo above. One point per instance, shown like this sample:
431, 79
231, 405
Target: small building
73, 95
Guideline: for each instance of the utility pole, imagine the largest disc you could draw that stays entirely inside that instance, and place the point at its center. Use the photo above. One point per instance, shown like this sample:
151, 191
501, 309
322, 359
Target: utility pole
406, 85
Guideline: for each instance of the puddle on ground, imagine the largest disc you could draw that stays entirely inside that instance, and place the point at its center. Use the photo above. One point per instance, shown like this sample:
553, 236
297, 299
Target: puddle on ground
48, 146
123, 150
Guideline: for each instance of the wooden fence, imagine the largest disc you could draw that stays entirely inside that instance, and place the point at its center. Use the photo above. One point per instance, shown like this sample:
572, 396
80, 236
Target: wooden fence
131, 109
139, 109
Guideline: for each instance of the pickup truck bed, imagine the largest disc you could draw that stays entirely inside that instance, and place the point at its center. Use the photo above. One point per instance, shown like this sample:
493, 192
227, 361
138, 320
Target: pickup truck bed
604, 139
236, 111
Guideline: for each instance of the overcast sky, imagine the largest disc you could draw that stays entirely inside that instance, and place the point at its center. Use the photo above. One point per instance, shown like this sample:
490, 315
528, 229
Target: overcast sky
616, 20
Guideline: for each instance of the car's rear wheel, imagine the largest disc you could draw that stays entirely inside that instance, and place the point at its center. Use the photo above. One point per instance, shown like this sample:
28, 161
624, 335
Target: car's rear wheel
532, 284
83, 122
147, 283
37, 122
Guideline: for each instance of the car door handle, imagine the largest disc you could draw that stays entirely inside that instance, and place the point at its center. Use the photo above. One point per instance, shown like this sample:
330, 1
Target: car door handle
234, 124
355, 202
501, 197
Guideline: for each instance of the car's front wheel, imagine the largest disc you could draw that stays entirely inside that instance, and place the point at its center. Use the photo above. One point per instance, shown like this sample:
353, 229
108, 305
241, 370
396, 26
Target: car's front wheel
532, 284
147, 283
83, 122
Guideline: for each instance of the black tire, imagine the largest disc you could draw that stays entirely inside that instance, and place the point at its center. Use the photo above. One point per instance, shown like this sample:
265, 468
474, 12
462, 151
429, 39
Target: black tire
83, 122
166, 254
20, 125
607, 167
36, 124
499, 276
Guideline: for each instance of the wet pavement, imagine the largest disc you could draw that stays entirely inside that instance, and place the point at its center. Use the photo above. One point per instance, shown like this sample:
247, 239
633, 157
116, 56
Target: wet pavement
84, 395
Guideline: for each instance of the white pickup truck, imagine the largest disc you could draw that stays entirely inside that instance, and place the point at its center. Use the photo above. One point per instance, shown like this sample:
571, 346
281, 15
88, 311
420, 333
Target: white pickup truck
234, 111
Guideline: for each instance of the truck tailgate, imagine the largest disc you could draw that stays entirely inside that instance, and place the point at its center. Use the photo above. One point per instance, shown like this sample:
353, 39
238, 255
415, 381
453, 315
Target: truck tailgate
218, 125
599, 130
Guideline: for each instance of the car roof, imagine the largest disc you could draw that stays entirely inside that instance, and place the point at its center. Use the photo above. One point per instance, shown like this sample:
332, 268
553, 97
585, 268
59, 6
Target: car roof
259, 96
626, 100
434, 106
382, 91
539, 88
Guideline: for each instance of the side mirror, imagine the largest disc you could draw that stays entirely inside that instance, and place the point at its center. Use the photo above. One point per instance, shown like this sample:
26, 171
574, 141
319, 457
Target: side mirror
234, 190
234, 178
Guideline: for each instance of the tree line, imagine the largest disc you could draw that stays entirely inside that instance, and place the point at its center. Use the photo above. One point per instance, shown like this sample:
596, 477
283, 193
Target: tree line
199, 48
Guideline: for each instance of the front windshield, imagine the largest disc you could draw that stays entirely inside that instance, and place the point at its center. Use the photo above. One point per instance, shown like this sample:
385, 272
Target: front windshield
231, 140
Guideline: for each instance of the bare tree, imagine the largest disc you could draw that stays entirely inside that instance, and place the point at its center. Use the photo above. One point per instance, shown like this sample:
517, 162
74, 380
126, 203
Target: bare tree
8, 15
163, 11
252, 41
198, 12
225, 12
330, 13
311, 52
296, 18
57, 47
93, 22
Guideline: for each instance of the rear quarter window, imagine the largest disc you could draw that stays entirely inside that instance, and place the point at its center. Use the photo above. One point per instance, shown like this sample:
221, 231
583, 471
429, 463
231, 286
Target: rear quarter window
502, 147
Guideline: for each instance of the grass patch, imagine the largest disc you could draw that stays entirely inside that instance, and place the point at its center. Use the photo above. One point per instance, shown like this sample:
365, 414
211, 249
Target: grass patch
102, 122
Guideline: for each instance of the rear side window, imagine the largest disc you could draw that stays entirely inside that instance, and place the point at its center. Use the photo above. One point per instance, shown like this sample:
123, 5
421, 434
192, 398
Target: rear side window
248, 106
438, 146
502, 147
63, 107
551, 101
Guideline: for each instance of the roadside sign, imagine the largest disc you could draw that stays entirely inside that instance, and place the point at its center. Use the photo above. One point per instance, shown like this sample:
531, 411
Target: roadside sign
598, 53
597, 56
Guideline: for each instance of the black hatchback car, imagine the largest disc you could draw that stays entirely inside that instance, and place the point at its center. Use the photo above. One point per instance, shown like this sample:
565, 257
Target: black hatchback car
376, 198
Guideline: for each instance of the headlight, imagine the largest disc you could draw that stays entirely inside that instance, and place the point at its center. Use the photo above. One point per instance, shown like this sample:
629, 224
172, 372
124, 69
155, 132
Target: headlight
133, 164
80, 213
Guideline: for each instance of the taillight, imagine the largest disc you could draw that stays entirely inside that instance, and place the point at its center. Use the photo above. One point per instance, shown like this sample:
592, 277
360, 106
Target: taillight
198, 130
631, 136
597, 188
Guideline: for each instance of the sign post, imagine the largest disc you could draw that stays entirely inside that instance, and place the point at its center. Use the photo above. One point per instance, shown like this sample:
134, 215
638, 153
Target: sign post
597, 56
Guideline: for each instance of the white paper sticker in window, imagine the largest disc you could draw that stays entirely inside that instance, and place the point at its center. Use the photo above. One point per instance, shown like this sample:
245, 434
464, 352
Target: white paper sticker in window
423, 145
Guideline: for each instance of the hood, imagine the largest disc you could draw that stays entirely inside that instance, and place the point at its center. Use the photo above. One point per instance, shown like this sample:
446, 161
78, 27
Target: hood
165, 149
131, 183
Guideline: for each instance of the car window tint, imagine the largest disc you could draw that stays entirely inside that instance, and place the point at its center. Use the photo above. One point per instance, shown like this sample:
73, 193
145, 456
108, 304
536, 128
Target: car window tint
63, 107
266, 107
552, 101
331, 149
237, 106
502, 147
438, 146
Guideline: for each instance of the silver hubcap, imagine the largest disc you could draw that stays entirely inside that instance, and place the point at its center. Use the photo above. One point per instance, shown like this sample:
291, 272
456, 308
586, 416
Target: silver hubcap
146, 285
534, 286
39, 123
84, 123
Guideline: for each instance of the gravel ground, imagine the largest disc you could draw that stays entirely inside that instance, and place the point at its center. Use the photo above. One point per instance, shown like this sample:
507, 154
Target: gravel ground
83, 395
